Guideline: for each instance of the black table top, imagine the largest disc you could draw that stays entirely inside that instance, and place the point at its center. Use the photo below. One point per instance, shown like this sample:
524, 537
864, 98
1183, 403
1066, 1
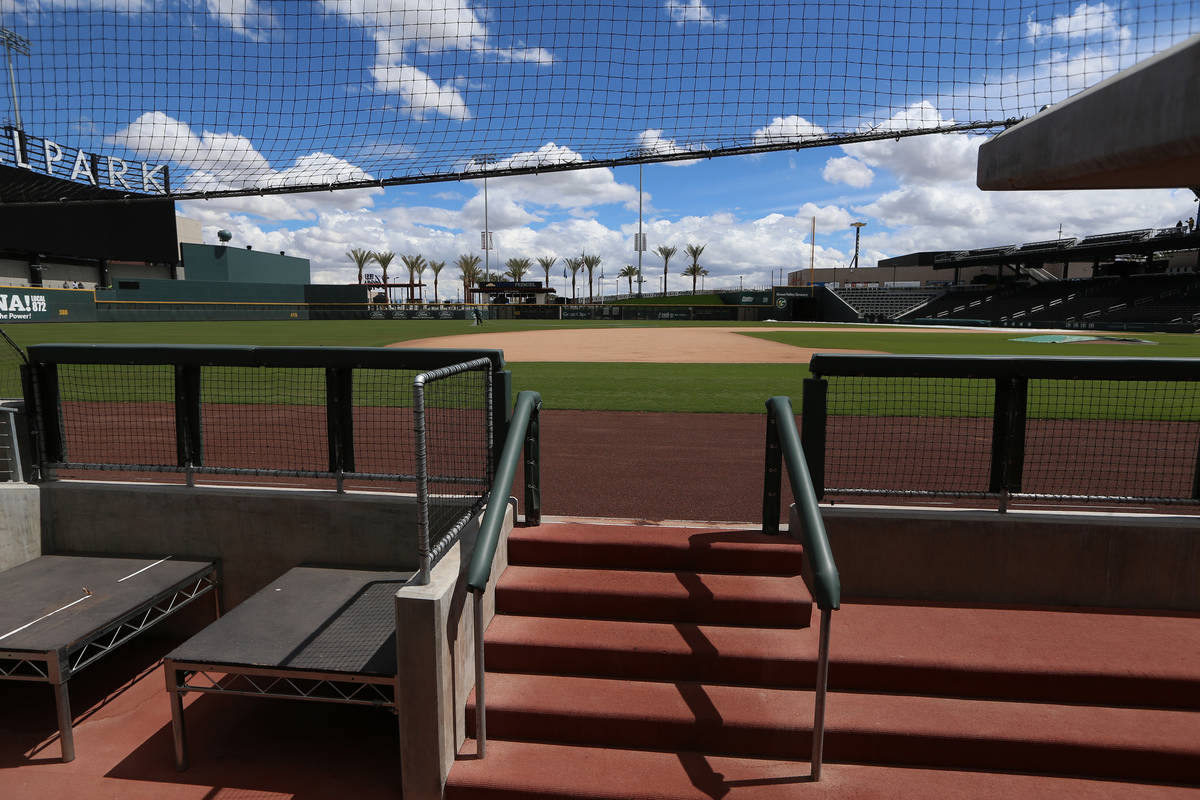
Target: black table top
310, 618
54, 602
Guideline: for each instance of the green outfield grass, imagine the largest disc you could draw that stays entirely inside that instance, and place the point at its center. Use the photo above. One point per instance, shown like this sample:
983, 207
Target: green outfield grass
718, 388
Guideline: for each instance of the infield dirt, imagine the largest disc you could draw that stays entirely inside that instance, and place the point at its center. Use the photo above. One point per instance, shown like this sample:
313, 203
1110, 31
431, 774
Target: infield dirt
724, 345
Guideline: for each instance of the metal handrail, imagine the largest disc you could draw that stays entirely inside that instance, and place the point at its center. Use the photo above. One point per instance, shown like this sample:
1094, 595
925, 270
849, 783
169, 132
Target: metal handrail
783, 448
522, 435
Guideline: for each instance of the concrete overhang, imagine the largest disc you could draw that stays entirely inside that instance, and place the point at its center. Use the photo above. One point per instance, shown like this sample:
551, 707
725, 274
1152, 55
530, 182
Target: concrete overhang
1139, 129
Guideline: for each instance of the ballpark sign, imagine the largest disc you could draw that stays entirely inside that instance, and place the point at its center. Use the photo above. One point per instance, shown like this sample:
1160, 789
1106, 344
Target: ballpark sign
21, 306
60, 161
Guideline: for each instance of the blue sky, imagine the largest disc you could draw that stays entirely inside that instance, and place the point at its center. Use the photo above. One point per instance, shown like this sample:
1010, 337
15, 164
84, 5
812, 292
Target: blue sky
241, 94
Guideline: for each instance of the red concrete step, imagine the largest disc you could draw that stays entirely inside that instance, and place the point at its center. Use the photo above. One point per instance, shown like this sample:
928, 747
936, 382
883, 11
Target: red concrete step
652, 650
1074, 656
665, 596
662, 548
535, 771
1126, 743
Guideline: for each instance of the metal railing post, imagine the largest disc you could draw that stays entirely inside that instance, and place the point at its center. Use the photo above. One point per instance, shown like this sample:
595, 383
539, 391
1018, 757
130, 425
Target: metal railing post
422, 458
818, 741
480, 685
772, 475
533, 469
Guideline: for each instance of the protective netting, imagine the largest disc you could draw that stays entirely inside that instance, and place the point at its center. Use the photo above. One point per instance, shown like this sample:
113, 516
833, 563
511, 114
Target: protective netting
909, 434
1113, 438
248, 96
12, 357
1120, 440
264, 424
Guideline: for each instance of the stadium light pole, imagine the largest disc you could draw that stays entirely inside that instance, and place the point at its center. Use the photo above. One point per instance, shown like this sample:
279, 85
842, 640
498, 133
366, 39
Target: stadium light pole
858, 226
640, 244
14, 41
485, 238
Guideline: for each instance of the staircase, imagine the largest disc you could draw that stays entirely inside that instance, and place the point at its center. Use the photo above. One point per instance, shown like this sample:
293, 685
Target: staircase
638, 662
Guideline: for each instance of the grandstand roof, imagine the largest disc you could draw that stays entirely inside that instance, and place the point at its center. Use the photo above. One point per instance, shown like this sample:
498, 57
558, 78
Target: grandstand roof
1090, 248
1139, 129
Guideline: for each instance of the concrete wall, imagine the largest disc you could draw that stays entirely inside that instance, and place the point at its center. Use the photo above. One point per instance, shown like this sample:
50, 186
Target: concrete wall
436, 664
257, 534
20, 524
1101, 560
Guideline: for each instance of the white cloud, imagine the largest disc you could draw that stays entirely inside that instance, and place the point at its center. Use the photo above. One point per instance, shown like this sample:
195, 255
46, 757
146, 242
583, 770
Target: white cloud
31, 6
157, 136
849, 171
419, 92
683, 12
947, 156
247, 17
1087, 21
652, 141
405, 29
227, 161
784, 130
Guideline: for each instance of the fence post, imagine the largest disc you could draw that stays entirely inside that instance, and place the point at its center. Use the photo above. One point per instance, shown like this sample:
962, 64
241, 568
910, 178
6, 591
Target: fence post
339, 418
501, 411
1196, 475
812, 430
48, 408
1008, 435
189, 442
772, 475
533, 469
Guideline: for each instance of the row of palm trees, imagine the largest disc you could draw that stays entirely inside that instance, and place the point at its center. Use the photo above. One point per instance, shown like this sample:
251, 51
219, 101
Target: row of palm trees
415, 264
517, 268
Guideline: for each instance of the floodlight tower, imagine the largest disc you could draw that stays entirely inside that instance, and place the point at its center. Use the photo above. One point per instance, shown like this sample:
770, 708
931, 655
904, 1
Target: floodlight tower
13, 41
858, 226
485, 238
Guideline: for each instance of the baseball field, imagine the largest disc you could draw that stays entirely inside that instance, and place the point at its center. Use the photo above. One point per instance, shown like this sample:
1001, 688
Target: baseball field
657, 421
718, 368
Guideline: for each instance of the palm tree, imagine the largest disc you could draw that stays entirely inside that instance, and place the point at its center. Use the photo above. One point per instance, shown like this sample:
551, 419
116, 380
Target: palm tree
547, 263
360, 258
436, 267
590, 262
412, 263
695, 270
420, 270
517, 267
469, 264
666, 253
573, 264
384, 259
629, 272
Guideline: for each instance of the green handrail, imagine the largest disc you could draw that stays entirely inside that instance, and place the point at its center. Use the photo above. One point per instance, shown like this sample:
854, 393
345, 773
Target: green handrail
783, 447
527, 406
827, 586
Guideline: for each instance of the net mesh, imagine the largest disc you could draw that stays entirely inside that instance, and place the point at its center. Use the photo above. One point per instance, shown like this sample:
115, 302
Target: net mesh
266, 424
456, 442
1129, 440
909, 434
248, 96
1112, 438
114, 414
